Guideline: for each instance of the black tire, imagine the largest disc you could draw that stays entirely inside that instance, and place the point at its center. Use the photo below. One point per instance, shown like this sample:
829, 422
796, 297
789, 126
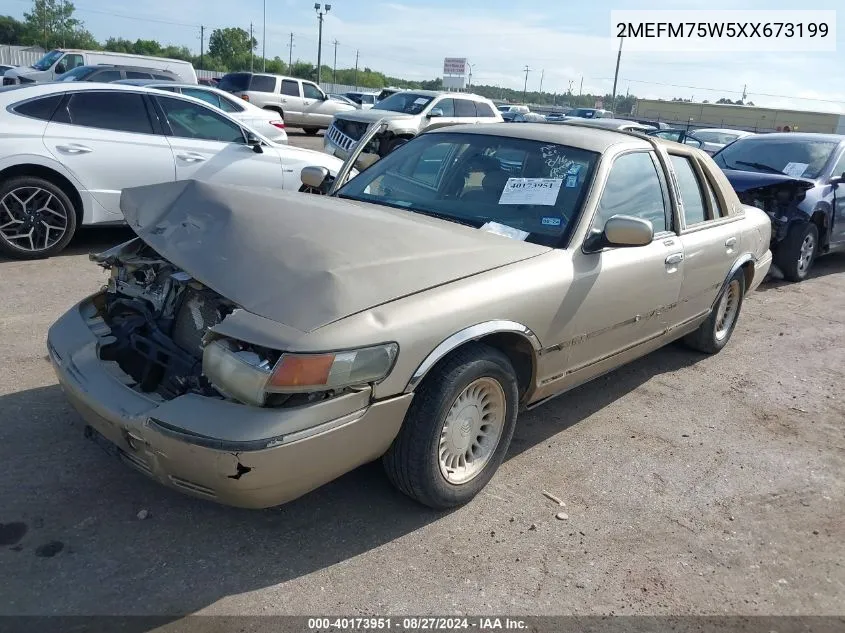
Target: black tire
792, 262
61, 204
394, 144
412, 463
710, 338
311, 131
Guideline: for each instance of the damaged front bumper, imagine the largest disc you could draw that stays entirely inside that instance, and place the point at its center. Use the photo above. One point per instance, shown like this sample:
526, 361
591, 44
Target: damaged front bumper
211, 448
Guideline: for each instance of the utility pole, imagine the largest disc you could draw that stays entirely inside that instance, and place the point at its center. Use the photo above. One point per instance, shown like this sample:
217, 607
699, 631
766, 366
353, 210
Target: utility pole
356, 69
616, 75
320, 14
334, 68
290, 55
251, 51
542, 74
581, 89
744, 93
525, 87
202, 45
569, 92
264, 41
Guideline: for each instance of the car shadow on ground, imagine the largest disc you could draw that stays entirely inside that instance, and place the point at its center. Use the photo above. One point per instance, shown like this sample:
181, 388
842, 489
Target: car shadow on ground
827, 265
66, 494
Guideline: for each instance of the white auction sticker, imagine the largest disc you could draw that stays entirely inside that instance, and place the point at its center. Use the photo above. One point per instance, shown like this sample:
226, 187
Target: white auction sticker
537, 191
796, 170
505, 231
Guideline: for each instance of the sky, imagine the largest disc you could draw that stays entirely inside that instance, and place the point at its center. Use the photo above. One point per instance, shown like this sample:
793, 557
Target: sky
562, 43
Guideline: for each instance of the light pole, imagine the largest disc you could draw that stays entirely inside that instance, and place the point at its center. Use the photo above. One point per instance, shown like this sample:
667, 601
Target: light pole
469, 83
616, 76
264, 40
320, 15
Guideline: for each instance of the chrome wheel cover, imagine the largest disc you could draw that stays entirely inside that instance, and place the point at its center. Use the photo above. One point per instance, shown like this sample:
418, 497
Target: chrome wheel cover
472, 430
727, 310
32, 219
805, 256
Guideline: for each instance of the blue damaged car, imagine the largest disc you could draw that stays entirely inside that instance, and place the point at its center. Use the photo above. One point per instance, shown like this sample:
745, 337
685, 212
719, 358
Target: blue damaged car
797, 179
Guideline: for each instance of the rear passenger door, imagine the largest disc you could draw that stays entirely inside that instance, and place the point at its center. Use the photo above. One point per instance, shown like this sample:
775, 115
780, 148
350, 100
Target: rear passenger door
292, 102
710, 238
110, 142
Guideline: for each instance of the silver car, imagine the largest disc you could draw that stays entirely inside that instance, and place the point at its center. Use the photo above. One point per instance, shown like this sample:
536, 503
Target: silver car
252, 344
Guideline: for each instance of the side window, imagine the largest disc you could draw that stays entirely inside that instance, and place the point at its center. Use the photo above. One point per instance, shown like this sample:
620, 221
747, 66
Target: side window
42, 108
633, 188
464, 108
163, 77
134, 74
718, 209
191, 120
229, 105
669, 136
484, 110
105, 76
71, 61
310, 91
208, 97
290, 88
427, 166
263, 83
119, 111
690, 190
448, 107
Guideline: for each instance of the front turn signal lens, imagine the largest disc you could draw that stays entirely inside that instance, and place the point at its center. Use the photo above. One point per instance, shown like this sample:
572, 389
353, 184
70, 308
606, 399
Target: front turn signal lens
319, 372
304, 370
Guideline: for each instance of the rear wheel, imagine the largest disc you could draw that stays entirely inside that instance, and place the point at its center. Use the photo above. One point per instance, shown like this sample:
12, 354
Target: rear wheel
457, 430
311, 131
37, 219
796, 254
715, 332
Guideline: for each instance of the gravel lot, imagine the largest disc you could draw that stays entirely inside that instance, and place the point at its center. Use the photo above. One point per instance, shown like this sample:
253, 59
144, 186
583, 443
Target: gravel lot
692, 485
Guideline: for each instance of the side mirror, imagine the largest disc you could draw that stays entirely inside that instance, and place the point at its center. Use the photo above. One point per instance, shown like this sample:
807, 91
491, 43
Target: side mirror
254, 142
435, 112
838, 180
313, 177
621, 231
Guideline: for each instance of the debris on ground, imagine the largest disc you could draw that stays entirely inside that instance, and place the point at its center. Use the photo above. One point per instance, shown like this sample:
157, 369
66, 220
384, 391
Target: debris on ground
552, 497
143, 514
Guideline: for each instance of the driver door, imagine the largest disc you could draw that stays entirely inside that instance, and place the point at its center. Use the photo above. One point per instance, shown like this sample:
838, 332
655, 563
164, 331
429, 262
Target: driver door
621, 298
318, 109
448, 107
208, 146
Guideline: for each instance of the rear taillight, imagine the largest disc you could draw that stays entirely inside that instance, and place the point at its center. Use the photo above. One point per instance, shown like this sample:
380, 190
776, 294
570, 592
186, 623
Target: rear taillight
278, 124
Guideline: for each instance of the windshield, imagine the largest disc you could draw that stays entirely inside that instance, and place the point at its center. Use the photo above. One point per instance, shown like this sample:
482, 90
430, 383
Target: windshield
407, 102
77, 74
48, 60
799, 158
475, 179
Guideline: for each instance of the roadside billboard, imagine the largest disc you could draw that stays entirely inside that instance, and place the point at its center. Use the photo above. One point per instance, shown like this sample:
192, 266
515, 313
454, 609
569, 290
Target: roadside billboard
455, 66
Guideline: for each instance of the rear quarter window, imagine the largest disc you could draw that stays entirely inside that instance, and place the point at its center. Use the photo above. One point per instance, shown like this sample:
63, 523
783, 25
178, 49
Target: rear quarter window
42, 108
234, 82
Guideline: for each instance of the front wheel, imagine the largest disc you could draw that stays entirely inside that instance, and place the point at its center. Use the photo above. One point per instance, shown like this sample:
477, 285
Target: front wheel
796, 254
715, 332
457, 430
37, 219
311, 131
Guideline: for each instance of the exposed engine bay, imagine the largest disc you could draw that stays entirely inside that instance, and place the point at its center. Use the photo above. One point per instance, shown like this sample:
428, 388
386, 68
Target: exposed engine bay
158, 317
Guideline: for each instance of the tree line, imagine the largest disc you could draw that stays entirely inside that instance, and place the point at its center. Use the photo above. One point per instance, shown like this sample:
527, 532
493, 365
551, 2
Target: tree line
51, 24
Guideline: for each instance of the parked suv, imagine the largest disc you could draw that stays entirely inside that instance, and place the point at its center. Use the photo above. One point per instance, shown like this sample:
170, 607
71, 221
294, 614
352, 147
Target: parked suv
409, 113
302, 103
107, 73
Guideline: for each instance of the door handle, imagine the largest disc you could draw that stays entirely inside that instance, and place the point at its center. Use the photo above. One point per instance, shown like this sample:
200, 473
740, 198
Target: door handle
674, 258
730, 243
191, 157
74, 148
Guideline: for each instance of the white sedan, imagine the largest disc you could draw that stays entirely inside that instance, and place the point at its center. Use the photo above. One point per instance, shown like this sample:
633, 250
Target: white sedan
266, 122
68, 150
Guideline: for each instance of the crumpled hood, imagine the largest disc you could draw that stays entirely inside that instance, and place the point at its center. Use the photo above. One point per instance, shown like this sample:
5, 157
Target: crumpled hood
744, 180
371, 115
304, 260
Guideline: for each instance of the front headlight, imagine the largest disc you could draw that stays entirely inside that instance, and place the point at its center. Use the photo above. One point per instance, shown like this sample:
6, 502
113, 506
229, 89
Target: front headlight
246, 376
